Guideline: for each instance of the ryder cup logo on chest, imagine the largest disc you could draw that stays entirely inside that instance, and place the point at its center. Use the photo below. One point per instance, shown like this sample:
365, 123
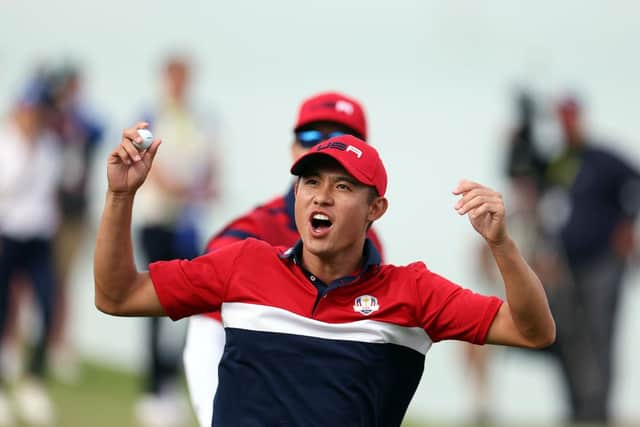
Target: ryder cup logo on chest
366, 304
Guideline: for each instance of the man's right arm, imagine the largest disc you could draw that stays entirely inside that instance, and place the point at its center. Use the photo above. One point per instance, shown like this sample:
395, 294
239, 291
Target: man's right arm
119, 288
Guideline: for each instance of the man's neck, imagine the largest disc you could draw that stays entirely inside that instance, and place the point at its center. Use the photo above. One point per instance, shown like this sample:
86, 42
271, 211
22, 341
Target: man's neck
334, 267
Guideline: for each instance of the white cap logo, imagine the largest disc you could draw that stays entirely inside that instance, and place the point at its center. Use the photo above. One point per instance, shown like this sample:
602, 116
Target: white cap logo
355, 150
345, 107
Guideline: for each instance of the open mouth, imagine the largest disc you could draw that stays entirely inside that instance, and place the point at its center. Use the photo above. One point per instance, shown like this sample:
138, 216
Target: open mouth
320, 222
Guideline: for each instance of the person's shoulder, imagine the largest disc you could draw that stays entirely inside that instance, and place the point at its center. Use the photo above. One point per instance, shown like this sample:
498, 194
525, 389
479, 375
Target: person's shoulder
264, 213
252, 242
606, 154
274, 203
261, 212
255, 213
251, 224
260, 251
250, 248
406, 278
202, 107
206, 114
603, 150
413, 269
262, 246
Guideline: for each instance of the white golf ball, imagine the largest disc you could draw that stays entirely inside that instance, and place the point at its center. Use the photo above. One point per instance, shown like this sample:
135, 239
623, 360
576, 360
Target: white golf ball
147, 139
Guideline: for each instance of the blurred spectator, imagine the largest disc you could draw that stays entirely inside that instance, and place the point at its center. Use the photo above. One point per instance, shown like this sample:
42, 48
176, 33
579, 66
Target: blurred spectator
600, 195
524, 162
588, 199
183, 176
30, 167
79, 133
319, 117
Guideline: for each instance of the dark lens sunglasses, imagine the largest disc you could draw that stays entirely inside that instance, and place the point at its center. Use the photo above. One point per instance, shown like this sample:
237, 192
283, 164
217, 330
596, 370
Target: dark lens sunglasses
311, 137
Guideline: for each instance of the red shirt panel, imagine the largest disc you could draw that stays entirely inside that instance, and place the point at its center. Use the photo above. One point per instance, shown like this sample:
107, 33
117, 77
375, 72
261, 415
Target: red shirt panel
254, 272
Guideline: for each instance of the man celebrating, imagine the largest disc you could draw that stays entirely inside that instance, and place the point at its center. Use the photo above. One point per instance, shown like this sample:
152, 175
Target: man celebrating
320, 117
320, 333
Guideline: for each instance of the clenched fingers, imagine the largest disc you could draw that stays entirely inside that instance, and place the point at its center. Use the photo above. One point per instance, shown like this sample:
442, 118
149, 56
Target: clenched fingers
475, 195
126, 152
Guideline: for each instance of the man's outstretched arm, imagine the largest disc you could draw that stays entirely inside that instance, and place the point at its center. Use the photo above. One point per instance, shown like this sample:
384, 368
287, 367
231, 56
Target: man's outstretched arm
525, 319
119, 288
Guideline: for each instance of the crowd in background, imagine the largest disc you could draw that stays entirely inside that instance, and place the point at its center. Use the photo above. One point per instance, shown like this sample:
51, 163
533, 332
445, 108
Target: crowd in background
573, 210
574, 202
48, 140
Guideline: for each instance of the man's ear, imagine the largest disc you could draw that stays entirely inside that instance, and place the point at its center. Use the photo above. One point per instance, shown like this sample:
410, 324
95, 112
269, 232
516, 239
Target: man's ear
295, 187
377, 208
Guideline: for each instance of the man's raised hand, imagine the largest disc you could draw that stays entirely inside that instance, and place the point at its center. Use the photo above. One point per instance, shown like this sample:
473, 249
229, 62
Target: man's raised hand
127, 168
484, 208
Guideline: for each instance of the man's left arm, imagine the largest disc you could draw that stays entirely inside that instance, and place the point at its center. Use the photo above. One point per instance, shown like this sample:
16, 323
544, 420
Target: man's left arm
525, 319
627, 184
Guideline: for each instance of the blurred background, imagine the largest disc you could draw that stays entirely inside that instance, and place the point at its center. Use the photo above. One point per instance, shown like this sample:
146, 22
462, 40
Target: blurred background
442, 85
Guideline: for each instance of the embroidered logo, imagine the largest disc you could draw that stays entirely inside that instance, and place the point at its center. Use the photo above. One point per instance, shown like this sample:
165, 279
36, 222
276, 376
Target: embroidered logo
366, 304
337, 145
345, 107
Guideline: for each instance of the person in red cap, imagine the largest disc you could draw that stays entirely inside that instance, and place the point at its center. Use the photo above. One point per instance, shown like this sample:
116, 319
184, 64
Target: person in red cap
320, 333
319, 117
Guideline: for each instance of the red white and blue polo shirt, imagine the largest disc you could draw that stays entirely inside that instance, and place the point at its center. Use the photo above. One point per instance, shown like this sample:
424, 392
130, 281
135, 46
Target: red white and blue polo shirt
273, 222
302, 353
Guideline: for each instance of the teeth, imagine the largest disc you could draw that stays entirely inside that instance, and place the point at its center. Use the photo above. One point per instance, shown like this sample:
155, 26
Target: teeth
321, 217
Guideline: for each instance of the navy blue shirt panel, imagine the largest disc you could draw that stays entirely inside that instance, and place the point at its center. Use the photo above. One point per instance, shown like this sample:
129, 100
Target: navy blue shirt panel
596, 204
369, 384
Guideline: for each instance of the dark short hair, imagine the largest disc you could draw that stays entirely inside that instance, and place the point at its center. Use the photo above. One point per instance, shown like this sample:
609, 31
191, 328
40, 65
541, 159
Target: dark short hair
373, 193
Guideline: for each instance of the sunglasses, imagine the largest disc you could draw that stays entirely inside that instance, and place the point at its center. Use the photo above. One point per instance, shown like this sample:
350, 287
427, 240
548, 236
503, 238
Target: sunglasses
311, 137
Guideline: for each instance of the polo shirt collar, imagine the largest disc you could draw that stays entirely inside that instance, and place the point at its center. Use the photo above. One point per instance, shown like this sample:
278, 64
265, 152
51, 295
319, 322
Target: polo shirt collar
371, 254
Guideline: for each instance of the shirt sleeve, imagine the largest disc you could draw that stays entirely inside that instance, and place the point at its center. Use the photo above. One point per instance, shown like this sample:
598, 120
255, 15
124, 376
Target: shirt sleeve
448, 311
627, 184
185, 287
238, 230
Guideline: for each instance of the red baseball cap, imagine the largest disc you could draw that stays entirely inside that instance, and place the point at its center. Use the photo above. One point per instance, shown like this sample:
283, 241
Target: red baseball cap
360, 159
333, 107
